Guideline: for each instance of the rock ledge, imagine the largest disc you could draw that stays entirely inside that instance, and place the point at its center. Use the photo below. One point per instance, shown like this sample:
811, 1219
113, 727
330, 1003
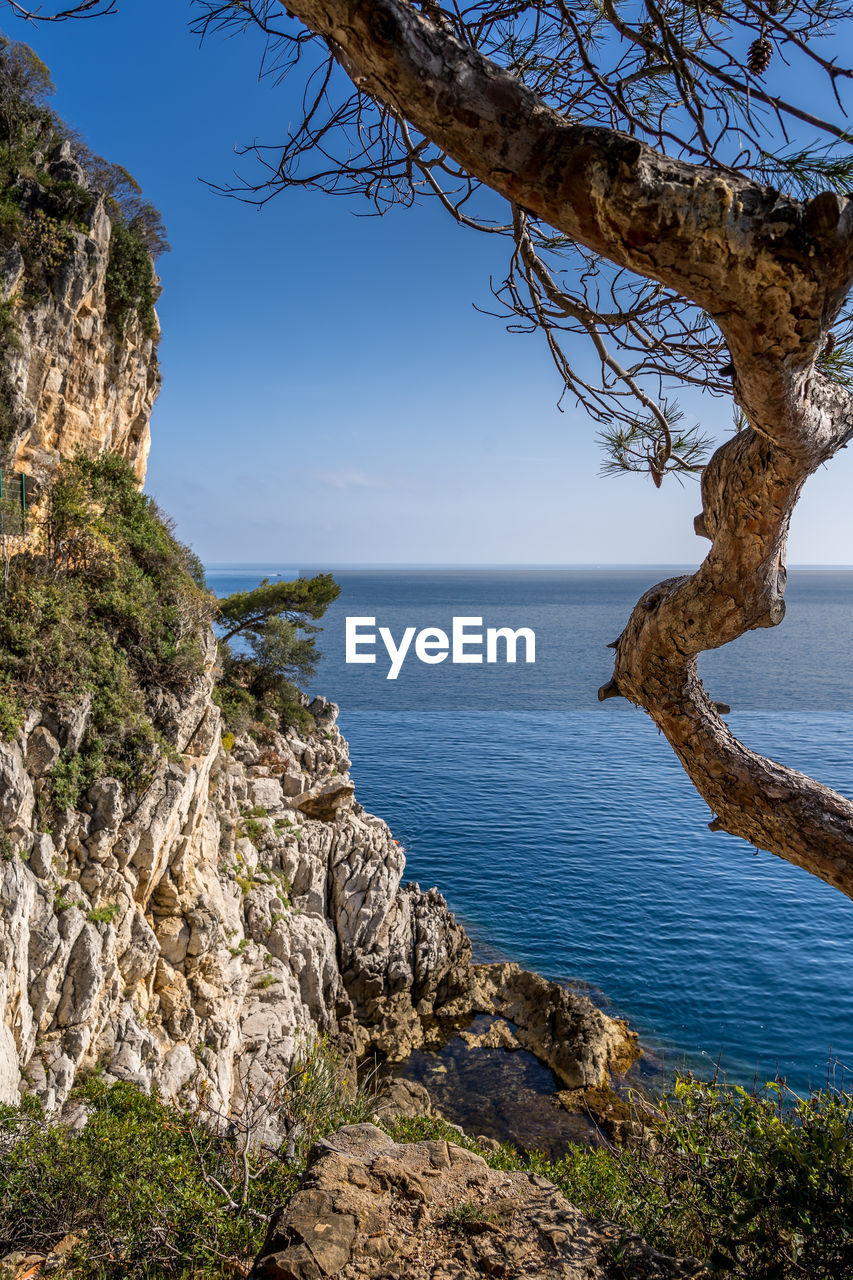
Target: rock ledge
372, 1209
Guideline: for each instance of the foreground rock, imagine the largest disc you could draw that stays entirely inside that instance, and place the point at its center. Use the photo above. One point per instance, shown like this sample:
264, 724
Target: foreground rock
370, 1209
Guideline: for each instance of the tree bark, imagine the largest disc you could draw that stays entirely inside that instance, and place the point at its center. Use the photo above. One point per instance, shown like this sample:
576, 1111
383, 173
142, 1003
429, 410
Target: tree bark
771, 271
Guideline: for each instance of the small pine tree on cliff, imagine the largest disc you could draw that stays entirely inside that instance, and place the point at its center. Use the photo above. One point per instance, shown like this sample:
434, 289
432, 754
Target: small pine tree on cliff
274, 624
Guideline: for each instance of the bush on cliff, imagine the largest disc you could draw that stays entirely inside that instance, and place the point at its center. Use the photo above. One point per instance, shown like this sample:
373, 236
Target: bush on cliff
149, 1188
108, 605
30, 133
273, 627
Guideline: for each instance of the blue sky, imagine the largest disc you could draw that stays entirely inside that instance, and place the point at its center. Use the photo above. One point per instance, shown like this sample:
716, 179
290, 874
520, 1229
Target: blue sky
331, 396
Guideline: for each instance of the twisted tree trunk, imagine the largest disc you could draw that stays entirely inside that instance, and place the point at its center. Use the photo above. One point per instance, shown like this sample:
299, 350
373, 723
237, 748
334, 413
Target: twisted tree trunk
772, 272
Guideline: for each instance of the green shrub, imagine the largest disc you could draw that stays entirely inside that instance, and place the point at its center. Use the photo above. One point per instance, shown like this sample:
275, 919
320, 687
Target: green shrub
105, 914
106, 607
45, 241
61, 903
131, 288
460, 1216
138, 1184
758, 1183
253, 830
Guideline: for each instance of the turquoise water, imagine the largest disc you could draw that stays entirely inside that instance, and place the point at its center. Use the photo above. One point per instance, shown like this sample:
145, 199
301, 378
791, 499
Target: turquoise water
565, 834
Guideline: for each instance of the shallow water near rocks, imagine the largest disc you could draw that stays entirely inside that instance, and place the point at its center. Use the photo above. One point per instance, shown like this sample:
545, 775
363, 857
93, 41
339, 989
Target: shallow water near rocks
509, 1095
504, 1095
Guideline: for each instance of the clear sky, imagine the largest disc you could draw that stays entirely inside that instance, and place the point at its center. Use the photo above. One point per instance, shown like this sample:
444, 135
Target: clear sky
331, 396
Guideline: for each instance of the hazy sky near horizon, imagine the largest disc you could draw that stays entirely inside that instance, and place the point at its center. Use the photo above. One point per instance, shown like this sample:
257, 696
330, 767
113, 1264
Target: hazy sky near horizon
330, 394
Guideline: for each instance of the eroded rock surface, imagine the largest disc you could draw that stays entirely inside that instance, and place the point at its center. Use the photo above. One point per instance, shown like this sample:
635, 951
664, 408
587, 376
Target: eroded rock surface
211, 919
74, 382
372, 1209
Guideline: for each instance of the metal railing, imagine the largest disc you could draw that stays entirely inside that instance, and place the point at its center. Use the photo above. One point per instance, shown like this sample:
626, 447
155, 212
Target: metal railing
16, 493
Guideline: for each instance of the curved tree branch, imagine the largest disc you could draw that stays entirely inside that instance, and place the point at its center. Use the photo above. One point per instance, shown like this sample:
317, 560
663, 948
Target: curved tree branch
749, 490
771, 271
728, 244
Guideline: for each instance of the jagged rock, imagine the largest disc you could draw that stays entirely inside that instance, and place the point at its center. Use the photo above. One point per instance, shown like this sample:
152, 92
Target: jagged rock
42, 752
325, 800
370, 1209
71, 724
266, 792
42, 856
292, 782
64, 168
246, 750
107, 801
499, 1035
564, 1030
397, 1097
16, 792
75, 382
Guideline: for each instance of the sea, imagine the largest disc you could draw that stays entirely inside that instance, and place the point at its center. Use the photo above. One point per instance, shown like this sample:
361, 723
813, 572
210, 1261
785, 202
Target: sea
564, 833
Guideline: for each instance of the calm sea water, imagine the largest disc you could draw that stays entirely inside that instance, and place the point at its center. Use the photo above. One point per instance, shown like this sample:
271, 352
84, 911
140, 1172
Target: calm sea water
565, 834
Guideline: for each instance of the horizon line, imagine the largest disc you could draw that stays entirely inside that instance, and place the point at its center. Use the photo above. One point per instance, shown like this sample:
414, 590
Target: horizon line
388, 566
429, 566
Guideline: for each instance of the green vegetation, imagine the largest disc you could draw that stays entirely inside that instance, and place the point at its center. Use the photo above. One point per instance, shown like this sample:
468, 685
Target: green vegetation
105, 914
148, 1188
760, 1184
131, 287
757, 1184
40, 211
462, 1215
107, 608
61, 903
273, 627
252, 830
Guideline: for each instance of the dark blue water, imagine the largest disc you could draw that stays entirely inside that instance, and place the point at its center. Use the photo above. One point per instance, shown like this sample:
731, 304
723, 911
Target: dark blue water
565, 834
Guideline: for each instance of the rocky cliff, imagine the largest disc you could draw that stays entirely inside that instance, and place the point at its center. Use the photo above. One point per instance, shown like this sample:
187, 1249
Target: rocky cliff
187, 930
73, 378
188, 934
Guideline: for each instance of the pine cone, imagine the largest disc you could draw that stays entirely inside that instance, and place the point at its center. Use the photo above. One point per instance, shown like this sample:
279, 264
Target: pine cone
760, 53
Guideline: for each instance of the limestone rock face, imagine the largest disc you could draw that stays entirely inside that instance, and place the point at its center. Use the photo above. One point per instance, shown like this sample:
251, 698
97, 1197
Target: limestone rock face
169, 933
75, 382
196, 933
370, 1209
